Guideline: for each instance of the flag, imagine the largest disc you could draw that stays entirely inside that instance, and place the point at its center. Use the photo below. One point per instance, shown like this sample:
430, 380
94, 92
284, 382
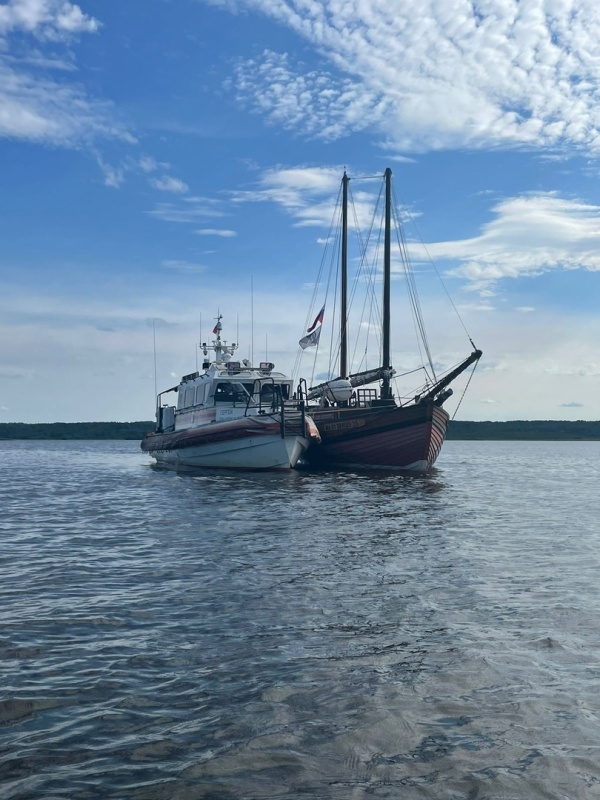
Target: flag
312, 340
216, 328
318, 318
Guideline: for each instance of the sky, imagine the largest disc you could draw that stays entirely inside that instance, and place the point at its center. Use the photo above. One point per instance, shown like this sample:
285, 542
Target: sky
163, 161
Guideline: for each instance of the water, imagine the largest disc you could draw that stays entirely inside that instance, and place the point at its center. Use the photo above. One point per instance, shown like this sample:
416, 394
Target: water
171, 636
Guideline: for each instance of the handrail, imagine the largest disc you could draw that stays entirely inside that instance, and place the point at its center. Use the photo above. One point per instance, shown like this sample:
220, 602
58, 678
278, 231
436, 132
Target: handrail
276, 393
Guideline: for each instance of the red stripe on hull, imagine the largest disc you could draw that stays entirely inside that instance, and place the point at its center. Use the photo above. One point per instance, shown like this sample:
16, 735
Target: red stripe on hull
209, 434
396, 438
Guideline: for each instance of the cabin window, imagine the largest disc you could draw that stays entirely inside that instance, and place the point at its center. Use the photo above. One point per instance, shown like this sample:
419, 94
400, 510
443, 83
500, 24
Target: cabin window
189, 397
180, 398
268, 390
200, 392
230, 393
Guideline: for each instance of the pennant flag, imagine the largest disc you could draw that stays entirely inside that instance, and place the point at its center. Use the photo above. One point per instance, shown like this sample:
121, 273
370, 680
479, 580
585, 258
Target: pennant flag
318, 318
312, 340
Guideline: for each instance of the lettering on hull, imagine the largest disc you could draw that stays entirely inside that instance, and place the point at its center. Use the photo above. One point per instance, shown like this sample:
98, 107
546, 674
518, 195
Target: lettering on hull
343, 426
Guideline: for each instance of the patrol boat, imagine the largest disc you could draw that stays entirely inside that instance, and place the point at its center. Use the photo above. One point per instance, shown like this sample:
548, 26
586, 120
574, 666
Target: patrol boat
232, 415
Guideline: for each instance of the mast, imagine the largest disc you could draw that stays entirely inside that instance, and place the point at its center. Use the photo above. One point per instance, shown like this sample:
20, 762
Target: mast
344, 281
386, 392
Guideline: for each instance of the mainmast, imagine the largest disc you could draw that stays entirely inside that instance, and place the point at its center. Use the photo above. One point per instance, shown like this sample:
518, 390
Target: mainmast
386, 392
344, 281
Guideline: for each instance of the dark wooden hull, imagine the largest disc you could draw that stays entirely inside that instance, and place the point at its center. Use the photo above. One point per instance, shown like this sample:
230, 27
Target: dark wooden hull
385, 437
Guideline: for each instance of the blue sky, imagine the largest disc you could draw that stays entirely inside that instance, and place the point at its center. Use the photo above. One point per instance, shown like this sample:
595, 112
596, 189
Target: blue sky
158, 156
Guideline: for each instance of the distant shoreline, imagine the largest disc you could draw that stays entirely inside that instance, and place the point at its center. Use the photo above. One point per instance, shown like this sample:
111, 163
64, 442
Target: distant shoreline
515, 430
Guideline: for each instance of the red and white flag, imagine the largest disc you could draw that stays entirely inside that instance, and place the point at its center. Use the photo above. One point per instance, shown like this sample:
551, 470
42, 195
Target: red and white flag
318, 318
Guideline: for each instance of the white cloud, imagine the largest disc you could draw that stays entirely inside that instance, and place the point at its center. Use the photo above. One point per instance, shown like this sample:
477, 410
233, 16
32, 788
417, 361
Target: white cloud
43, 109
191, 212
149, 164
169, 184
47, 111
528, 235
183, 266
46, 18
36, 58
431, 75
401, 159
308, 194
113, 176
215, 232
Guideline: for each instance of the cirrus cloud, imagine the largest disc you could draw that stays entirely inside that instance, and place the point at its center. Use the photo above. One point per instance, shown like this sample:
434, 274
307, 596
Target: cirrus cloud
39, 108
504, 73
167, 183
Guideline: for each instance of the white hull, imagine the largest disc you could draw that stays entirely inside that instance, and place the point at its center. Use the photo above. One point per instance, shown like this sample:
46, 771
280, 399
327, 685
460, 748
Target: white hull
233, 416
256, 452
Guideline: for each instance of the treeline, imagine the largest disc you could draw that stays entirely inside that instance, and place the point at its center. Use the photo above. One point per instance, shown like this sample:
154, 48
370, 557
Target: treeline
75, 430
548, 430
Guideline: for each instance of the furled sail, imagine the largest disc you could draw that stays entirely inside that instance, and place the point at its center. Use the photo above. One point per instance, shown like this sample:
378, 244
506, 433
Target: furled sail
357, 379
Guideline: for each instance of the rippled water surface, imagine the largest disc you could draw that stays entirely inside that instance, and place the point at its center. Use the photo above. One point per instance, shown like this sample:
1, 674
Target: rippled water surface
179, 636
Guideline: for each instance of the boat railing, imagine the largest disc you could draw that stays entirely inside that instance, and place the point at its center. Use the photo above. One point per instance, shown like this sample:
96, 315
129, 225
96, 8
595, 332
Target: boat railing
275, 403
302, 390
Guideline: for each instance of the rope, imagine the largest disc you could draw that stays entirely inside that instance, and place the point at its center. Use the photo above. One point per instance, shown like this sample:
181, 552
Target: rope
432, 262
465, 389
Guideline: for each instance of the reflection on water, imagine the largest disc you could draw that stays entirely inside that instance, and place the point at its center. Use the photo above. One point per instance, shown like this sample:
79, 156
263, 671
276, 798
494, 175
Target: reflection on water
201, 635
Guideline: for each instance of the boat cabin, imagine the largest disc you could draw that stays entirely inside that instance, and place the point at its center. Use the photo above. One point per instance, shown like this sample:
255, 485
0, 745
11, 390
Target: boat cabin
225, 391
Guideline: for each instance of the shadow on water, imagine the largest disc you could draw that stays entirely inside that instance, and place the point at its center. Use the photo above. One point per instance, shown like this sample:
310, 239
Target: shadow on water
430, 482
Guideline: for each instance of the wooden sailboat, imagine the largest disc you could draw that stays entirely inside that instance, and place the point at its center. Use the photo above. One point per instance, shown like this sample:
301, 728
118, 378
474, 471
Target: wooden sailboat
369, 428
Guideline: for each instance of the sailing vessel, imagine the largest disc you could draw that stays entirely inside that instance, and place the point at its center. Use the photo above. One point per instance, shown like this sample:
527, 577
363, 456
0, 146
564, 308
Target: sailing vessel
232, 415
368, 427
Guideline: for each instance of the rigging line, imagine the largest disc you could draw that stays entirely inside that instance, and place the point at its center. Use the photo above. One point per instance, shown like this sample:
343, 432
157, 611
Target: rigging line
371, 280
374, 299
465, 389
332, 227
334, 351
420, 334
432, 262
372, 271
331, 272
410, 372
412, 285
367, 177
363, 269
